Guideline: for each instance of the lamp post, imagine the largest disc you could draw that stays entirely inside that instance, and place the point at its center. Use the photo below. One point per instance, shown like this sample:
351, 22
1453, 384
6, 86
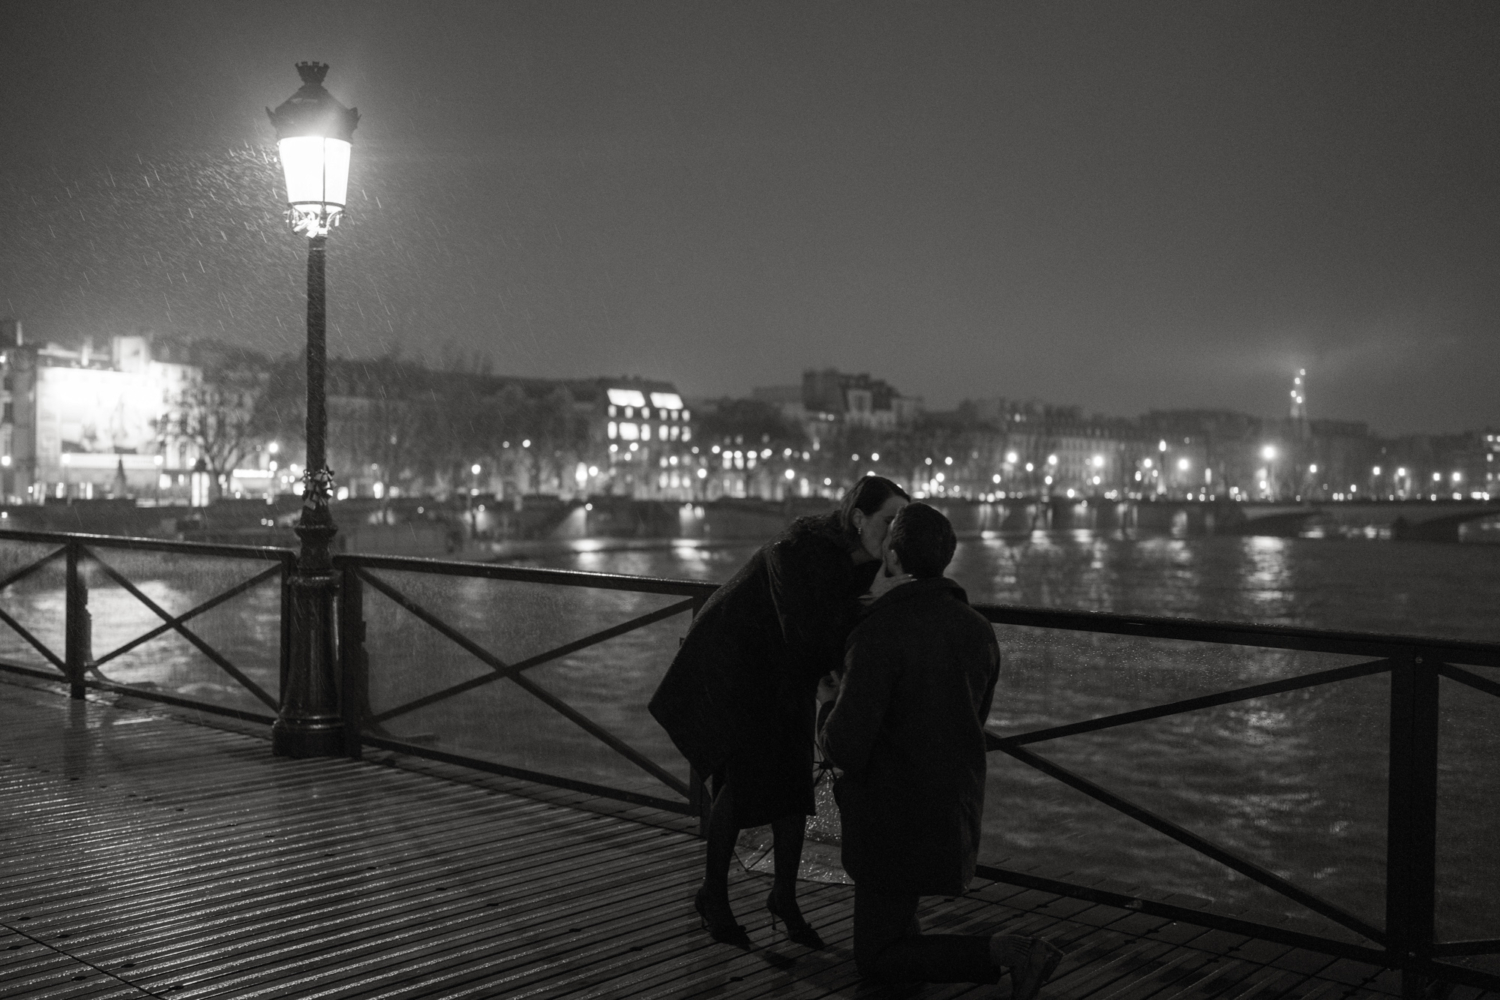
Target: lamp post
313, 136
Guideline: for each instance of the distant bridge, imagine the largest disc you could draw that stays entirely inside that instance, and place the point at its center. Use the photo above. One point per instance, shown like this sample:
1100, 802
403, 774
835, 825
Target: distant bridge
1406, 520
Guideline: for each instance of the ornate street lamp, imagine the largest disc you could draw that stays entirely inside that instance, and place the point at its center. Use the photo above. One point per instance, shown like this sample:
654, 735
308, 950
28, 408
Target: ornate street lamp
313, 135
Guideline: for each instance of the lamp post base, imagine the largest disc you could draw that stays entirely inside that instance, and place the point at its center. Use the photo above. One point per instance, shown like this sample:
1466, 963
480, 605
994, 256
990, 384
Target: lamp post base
310, 723
308, 737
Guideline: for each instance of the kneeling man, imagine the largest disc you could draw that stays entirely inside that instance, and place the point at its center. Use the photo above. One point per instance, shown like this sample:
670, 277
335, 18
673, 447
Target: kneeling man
905, 724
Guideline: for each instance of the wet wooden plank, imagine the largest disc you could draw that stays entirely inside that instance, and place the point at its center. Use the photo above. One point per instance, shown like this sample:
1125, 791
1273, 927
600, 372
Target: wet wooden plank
151, 856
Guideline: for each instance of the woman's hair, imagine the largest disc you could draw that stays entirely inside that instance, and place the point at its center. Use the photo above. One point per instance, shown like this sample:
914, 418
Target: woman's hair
867, 495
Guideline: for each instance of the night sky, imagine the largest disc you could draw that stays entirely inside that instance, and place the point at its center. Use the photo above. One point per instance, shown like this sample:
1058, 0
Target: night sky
1121, 206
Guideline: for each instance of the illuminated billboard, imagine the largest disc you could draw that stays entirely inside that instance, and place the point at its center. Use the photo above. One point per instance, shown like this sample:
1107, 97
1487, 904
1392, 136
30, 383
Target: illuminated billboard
93, 411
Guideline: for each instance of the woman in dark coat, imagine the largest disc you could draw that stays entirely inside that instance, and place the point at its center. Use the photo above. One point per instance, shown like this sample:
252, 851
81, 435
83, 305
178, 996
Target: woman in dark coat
739, 700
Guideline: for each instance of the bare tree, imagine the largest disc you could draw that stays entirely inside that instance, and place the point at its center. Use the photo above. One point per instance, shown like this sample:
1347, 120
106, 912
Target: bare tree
228, 406
376, 406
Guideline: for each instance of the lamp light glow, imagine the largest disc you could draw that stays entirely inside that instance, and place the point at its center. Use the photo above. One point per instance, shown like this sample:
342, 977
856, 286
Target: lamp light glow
313, 136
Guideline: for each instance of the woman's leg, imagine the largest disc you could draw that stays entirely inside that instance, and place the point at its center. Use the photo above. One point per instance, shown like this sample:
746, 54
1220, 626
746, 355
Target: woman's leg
787, 833
722, 834
713, 898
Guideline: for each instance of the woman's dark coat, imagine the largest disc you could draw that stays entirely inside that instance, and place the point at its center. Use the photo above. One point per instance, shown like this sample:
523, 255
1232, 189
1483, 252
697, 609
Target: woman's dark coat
739, 698
907, 730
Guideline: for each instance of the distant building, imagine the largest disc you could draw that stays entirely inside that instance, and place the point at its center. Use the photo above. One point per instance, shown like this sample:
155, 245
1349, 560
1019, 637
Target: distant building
83, 423
646, 444
857, 400
394, 426
788, 399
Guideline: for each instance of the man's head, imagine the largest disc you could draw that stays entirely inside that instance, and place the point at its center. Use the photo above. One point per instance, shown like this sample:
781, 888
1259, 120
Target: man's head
920, 542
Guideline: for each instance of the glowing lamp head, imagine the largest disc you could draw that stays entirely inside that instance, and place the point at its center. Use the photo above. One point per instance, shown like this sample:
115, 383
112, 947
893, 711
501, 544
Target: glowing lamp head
313, 136
1268, 453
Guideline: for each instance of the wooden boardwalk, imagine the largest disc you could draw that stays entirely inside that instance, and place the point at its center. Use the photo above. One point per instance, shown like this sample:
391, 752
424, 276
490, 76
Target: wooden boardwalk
142, 855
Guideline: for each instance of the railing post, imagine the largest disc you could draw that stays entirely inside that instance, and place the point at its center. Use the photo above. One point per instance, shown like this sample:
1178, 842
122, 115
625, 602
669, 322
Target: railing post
77, 626
286, 632
1411, 824
354, 663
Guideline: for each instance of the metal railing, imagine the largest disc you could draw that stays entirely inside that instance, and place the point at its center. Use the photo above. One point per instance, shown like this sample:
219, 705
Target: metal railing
363, 725
82, 669
1406, 940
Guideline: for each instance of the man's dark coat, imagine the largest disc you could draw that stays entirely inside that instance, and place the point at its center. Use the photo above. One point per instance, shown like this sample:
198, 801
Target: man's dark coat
742, 685
907, 730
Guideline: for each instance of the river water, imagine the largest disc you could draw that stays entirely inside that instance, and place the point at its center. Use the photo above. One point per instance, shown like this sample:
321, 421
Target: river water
1294, 782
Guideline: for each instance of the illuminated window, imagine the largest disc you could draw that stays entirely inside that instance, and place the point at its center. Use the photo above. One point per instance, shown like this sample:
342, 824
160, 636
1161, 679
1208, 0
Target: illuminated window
687, 434
645, 432
662, 432
613, 429
666, 400
629, 432
626, 397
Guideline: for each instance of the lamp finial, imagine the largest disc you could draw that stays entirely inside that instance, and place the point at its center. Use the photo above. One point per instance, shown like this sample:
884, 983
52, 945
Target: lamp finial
312, 72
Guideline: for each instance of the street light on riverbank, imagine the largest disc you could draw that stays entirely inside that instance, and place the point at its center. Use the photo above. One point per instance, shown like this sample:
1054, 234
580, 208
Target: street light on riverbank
313, 136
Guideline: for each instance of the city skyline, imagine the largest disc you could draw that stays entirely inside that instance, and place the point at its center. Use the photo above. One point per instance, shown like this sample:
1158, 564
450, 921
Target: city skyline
1162, 205
1297, 383
167, 420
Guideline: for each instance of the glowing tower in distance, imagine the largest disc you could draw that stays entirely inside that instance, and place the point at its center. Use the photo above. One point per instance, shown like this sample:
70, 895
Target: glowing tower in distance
1299, 402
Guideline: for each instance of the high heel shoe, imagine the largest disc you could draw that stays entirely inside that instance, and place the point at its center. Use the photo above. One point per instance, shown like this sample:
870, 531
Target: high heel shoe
721, 926
798, 930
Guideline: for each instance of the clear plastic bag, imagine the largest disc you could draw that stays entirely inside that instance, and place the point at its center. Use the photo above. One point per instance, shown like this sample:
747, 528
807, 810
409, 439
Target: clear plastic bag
823, 842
